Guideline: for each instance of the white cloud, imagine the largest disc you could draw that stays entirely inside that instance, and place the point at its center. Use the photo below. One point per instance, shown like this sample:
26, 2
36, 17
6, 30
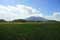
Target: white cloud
55, 16
17, 12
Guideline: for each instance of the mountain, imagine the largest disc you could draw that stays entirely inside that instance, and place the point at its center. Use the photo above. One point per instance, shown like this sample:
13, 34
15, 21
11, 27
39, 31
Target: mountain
34, 18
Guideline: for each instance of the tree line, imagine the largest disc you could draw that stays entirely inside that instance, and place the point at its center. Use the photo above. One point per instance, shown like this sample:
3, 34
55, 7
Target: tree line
22, 20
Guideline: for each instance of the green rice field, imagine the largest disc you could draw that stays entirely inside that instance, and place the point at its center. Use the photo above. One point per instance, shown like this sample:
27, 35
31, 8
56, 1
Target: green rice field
28, 31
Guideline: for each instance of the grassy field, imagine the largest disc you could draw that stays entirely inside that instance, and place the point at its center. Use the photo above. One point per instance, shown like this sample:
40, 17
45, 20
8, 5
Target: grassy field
28, 31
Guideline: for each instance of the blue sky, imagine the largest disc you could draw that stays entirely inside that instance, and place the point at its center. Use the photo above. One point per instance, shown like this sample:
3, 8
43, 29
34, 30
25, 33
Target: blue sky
48, 8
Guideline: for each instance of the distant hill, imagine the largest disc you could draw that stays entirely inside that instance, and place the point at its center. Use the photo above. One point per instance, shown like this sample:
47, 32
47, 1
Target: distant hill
30, 19
2, 20
34, 18
19, 20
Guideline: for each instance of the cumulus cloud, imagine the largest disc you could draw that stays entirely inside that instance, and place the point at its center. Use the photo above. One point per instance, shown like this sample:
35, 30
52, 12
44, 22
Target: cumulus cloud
55, 16
17, 12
